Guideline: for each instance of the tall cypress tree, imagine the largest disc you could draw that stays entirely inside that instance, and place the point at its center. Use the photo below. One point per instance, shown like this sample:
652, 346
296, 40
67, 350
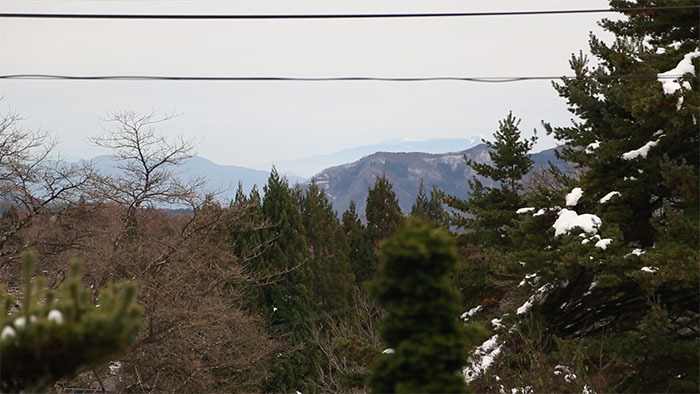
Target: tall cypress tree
329, 251
382, 212
429, 344
362, 257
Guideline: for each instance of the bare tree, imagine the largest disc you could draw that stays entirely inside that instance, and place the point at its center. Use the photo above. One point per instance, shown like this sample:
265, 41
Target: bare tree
31, 182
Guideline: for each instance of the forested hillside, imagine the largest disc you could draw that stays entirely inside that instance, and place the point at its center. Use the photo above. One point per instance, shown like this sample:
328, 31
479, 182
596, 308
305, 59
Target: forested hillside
508, 277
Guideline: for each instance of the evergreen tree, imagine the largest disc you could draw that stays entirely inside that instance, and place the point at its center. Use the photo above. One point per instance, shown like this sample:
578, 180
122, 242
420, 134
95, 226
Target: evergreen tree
428, 342
53, 336
622, 299
490, 211
382, 212
329, 251
429, 209
362, 257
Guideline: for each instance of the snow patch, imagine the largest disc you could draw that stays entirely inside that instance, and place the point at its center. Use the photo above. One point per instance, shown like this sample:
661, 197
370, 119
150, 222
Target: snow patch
590, 148
7, 332
603, 243
641, 152
608, 196
55, 316
466, 315
525, 210
573, 197
533, 299
539, 213
388, 351
670, 84
568, 220
482, 358
650, 270
496, 323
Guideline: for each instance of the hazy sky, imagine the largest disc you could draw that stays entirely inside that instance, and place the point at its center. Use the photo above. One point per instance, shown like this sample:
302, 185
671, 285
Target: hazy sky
254, 123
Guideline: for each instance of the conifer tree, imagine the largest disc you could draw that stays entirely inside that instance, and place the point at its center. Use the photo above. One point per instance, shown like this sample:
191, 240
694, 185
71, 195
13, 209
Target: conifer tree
57, 335
382, 212
362, 257
329, 251
490, 211
428, 343
622, 296
429, 209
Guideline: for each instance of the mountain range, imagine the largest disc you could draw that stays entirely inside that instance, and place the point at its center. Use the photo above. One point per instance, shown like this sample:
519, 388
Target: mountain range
310, 166
351, 181
447, 171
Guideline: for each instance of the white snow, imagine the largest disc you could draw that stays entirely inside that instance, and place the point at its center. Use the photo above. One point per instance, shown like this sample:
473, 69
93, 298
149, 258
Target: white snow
114, 367
7, 332
637, 252
573, 197
587, 390
496, 323
527, 279
603, 243
20, 322
274, 309
539, 213
650, 270
685, 66
590, 148
585, 241
525, 210
55, 316
608, 196
566, 371
643, 152
482, 358
388, 351
466, 315
660, 51
568, 220
524, 308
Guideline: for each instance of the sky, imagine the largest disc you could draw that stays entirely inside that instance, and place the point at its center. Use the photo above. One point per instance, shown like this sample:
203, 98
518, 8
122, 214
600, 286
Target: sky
254, 124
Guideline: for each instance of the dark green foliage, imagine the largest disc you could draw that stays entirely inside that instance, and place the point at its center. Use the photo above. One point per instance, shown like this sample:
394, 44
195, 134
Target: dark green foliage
382, 212
55, 335
625, 317
329, 252
429, 209
490, 211
429, 342
362, 258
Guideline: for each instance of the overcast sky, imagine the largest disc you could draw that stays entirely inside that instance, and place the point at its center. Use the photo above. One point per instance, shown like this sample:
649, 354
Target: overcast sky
255, 123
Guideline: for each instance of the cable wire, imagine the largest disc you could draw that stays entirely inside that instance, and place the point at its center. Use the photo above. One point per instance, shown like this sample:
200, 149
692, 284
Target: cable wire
42, 77
337, 16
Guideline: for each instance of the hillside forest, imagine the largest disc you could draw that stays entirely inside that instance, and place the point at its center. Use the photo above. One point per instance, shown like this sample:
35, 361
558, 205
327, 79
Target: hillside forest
577, 278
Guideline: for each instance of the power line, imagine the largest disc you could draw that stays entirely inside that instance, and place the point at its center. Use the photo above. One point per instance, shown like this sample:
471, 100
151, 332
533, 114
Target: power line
337, 16
43, 77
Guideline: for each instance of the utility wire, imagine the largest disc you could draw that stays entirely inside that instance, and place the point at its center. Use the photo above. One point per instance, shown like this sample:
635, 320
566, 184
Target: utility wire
337, 16
42, 77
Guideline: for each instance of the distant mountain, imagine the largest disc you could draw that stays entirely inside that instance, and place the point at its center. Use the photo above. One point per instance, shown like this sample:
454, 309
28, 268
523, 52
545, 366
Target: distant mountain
312, 165
219, 177
405, 171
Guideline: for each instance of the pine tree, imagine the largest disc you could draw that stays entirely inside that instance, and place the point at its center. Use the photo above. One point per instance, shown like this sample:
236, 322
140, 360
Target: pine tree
57, 335
362, 257
490, 211
622, 298
382, 212
428, 342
